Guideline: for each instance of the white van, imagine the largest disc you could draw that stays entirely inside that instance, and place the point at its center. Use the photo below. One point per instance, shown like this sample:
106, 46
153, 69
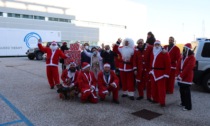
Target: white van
202, 69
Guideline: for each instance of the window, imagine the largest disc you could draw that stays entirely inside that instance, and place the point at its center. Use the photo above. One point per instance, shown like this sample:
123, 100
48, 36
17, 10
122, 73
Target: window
36, 17
64, 20
59, 19
53, 19
27, 16
13, 15
205, 52
39, 17
1, 13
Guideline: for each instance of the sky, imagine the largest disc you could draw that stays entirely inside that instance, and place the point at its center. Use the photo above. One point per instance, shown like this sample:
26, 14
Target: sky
185, 20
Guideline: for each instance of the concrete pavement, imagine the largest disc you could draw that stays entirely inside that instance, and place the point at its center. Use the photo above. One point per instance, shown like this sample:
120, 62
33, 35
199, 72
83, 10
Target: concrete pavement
26, 99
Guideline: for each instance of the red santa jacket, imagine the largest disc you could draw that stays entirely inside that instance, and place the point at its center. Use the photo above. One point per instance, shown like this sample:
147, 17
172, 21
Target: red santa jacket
160, 65
141, 60
185, 69
66, 75
52, 57
123, 66
86, 81
174, 54
103, 85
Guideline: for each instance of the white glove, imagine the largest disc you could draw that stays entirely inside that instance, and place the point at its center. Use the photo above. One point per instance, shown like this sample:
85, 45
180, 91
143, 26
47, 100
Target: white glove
92, 88
113, 85
135, 72
72, 85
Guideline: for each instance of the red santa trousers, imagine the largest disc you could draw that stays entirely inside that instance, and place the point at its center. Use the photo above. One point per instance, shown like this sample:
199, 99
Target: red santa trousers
127, 80
52, 75
158, 90
110, 89
143, 83
89, 96
170, 82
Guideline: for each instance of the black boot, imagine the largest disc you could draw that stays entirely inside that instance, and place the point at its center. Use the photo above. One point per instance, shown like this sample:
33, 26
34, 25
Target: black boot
51, 87
116, 101
124, 95
131, 98
140, 98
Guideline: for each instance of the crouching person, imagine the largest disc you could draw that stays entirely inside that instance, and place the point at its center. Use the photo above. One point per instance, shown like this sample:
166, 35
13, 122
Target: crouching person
69, 88
87, 84
108, 82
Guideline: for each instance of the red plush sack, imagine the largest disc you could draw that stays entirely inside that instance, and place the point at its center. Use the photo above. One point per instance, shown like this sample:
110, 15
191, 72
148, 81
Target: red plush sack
74, 47
74, 53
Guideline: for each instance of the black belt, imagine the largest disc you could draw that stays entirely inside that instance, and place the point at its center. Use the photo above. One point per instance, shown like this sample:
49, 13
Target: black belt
158, 68
126, 62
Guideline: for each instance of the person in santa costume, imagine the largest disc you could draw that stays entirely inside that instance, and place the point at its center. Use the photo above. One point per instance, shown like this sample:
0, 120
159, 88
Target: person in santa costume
160, 70
70, 86
53, 55
126, 53
108, 82
174, 53
185, 68
87, 84
141, 66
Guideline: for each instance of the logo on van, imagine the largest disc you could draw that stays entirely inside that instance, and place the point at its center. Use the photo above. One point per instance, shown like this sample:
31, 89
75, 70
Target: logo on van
31, 39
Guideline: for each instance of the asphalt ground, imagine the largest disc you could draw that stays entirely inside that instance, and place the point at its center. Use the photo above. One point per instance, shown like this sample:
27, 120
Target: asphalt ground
26, 99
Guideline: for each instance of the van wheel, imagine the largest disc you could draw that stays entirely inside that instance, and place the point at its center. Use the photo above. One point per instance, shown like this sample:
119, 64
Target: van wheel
31, 56
206, 82
39, 55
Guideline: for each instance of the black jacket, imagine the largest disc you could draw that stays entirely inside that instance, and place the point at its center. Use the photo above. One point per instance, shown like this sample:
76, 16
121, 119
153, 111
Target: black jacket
151, 40
63, 48
108, 58
84, 57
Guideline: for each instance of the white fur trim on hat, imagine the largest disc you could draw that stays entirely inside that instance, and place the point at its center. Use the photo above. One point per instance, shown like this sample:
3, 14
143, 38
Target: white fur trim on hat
187, 47
107, 65
88, 65
72, 63
54, 43
157, 42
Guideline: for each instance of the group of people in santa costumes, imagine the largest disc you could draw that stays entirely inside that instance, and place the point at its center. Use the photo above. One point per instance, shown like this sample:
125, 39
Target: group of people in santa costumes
151, 67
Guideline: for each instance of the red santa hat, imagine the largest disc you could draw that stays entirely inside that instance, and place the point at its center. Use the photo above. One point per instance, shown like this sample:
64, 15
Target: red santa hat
72, 63
157, 42
107, 65
64, 43
54, 43
188, 46
85, 65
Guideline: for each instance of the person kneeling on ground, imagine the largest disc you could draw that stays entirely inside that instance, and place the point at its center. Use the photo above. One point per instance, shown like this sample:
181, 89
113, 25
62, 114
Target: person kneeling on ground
69, 88
108, 82
87, 84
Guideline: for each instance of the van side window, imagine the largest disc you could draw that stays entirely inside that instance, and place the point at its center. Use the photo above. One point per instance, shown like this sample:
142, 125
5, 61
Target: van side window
206, 52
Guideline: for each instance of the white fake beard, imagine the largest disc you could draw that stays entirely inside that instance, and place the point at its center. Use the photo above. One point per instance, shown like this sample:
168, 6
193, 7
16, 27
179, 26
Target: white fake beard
126, 53
53, 47
156, 50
